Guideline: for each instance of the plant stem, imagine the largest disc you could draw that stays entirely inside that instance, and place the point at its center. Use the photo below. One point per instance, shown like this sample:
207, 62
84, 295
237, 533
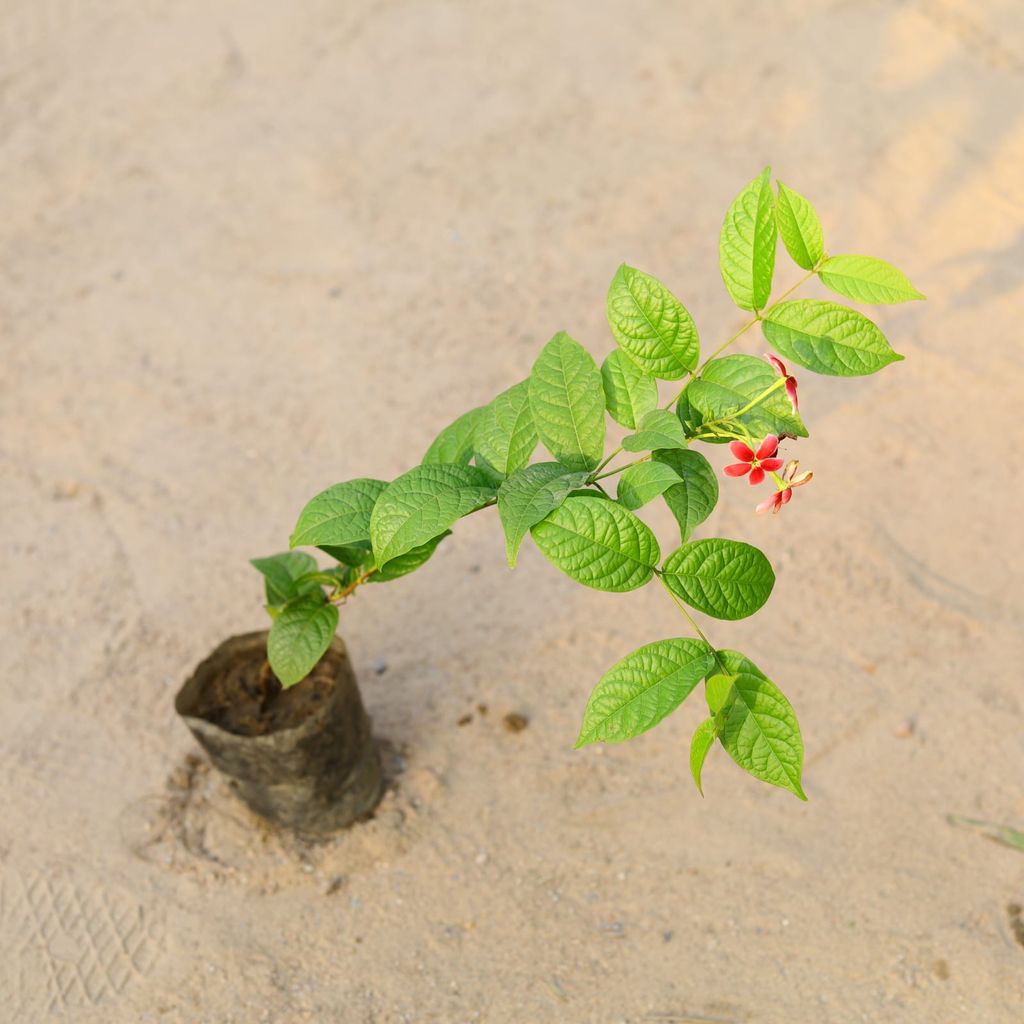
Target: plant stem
619, 469
743, 330
350, 589
689, 618
603, 463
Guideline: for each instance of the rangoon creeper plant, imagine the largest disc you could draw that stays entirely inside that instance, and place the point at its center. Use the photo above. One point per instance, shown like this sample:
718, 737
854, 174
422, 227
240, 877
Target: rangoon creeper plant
378, 531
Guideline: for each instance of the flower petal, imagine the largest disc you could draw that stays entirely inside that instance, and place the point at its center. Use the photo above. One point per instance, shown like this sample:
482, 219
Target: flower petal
737, 469
791, 391
777, 363
768, 447
742, 450
786, 495
769, 504
756, 475
771, 465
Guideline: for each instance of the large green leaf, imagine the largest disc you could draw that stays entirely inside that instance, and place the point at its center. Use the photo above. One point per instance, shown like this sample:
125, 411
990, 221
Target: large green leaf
827, 338
746, 246
658, 429
598, 543
505, 434
339, 516
702, 742
455, 444
635, 694
407, 563
299, 637
281, 575
629, 392
760, 730
643, 482
799, 228
724, 578
567, 400
421, 504
651, 325
694, 498
866, 279
528, 495
729, 384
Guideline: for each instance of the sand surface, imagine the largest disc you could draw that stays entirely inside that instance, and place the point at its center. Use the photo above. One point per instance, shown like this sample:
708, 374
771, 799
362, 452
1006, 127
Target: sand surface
251, 249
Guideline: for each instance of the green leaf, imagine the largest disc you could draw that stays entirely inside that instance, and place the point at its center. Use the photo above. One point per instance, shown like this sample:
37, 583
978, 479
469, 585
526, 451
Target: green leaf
799, 227
281, 574
643, 482
598, 543
694, 498
455, 443
629, 392
530, 494
407, 563
723, 578
760, 732
866, 279
827, 338
505, 434
717, 691
421, 504
702, 742
651, 325
567, 400
635, 694
339, 516
746, 246
299, 636
727, 385
658, 429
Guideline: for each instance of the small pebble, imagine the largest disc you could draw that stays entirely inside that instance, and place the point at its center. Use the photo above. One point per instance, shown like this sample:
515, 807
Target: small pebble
379, 665
515, 722
465, 720
66, 490
905, 729
333, 884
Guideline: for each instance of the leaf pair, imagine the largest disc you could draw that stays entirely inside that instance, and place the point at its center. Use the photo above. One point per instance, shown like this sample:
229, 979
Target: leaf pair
861, 278
683, 477
750, 717
303, 620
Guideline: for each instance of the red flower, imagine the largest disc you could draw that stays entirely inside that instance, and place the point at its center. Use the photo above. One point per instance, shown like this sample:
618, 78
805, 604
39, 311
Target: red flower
780, 369
782, 496
755, 463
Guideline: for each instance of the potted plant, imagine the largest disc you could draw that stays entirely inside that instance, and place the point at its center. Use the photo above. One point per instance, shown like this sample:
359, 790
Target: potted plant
281, 713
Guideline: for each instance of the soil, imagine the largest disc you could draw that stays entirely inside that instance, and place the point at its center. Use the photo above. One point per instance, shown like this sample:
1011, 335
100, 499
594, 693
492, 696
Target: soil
248, 700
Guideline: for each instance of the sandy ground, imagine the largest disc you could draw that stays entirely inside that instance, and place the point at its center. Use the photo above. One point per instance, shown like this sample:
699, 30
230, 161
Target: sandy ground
250, 249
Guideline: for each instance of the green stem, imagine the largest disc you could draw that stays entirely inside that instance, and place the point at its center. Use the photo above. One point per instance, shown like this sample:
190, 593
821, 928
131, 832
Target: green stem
603, 463
781, 382
689, 618
743, 330
618, 469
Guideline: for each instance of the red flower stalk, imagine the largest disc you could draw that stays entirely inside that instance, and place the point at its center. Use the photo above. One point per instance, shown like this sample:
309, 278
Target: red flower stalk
756, 463
785, 492
780, 369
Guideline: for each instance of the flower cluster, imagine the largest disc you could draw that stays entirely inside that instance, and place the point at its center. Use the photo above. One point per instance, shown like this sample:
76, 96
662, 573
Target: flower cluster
757, 463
